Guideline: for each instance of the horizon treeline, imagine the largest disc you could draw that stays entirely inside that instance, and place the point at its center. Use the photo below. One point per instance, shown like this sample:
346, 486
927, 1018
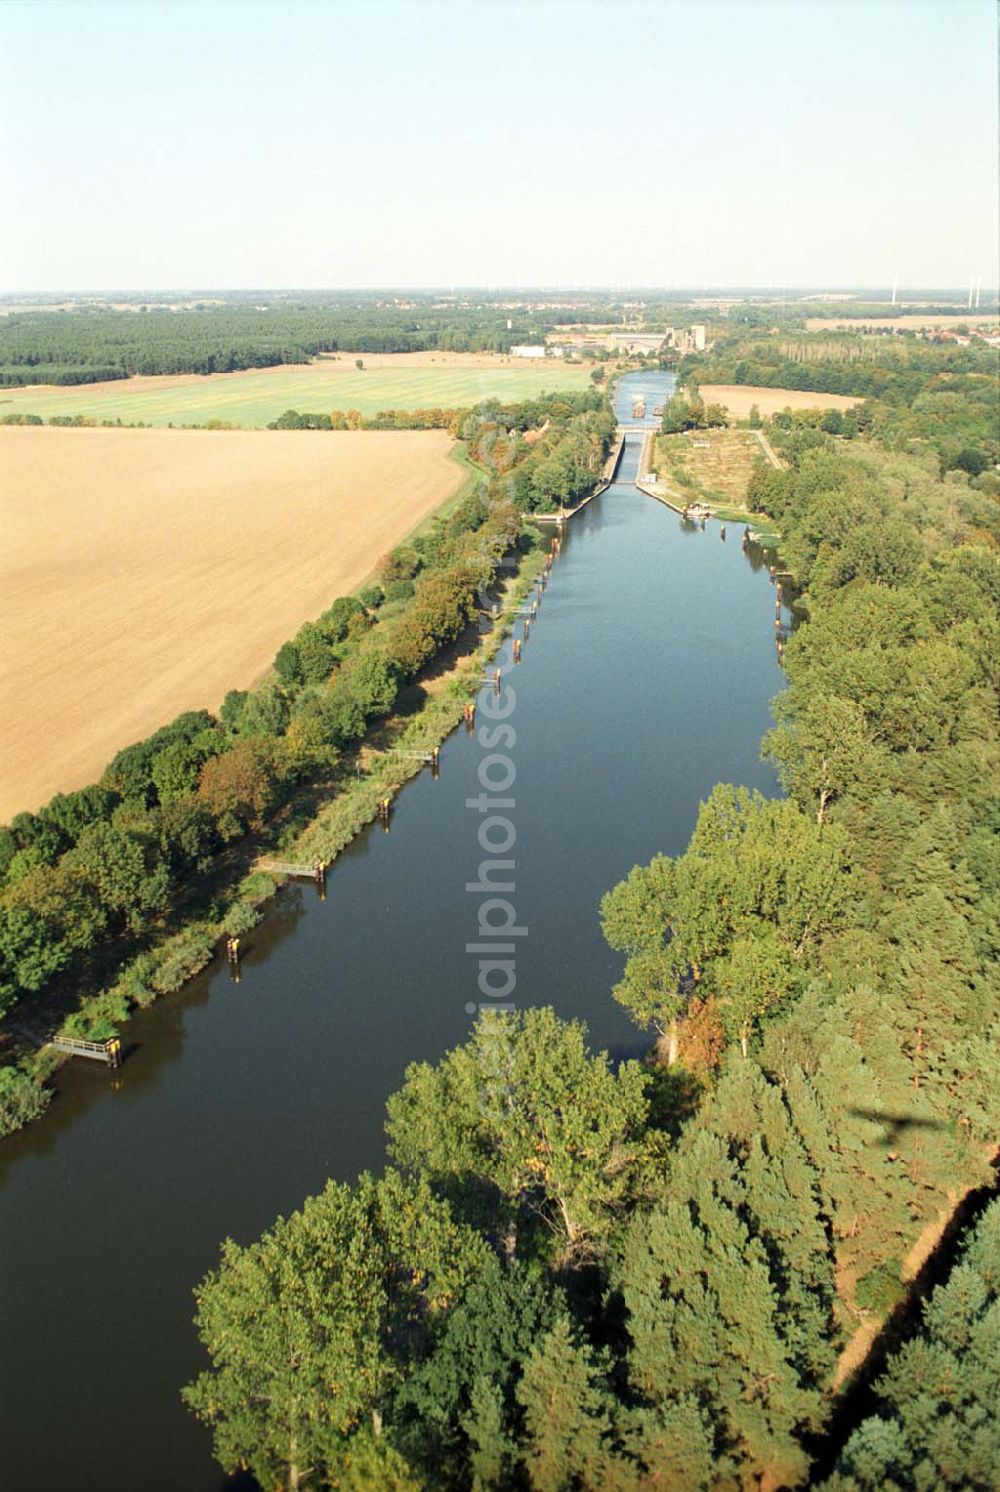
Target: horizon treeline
74, 347
92, 343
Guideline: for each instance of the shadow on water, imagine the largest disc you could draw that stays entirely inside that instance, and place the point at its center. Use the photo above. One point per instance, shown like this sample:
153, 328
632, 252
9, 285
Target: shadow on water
646, 680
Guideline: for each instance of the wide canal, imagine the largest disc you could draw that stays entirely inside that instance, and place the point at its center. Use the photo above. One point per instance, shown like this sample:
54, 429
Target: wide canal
646, 680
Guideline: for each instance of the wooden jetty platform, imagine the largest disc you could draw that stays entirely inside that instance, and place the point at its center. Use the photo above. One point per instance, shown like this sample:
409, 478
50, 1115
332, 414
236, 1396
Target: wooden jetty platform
314, 872
430, 757
109, 1052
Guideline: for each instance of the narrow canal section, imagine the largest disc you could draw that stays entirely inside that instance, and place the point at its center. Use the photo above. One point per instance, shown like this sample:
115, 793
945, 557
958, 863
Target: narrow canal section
645, 680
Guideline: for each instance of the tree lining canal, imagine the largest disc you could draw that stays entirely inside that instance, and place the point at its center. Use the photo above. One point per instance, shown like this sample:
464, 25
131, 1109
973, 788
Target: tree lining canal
645, 680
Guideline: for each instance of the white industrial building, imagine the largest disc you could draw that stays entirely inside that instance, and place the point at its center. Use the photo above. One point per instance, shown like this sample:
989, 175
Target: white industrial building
635, 341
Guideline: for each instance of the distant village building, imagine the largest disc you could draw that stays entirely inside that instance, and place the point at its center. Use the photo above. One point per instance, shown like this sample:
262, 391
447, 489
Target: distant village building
526, 349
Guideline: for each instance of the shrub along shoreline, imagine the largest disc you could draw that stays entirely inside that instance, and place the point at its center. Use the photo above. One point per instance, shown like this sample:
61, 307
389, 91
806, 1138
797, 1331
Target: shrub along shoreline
123, 889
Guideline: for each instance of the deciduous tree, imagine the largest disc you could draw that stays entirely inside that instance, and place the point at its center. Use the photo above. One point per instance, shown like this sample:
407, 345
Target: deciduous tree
308, 1329
526, 1123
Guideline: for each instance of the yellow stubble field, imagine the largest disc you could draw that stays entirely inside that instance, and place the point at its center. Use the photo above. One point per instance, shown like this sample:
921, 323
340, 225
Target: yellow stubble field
739, 399
146, 572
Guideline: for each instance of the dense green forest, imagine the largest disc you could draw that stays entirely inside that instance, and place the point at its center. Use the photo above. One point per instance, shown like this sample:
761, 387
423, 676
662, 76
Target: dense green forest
577, 1274
86, 883
935, 1427
71, 347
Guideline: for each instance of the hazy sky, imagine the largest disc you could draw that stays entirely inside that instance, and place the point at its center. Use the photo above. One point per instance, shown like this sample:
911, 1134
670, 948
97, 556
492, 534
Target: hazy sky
204, 143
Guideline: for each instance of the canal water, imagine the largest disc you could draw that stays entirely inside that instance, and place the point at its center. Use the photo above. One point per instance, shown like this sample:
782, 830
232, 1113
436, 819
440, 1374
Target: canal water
646, 680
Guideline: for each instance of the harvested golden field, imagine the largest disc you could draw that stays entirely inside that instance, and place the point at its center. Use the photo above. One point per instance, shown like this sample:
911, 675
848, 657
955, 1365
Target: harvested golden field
739, 399
146, 572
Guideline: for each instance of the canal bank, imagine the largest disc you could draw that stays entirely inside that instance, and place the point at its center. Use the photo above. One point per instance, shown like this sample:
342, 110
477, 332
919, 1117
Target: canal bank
646, 679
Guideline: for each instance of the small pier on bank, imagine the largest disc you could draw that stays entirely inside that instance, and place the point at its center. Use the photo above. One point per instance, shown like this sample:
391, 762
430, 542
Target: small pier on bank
315, 872
109, 1052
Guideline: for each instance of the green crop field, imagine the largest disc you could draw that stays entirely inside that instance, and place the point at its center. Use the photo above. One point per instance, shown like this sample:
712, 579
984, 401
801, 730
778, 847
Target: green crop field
406, 381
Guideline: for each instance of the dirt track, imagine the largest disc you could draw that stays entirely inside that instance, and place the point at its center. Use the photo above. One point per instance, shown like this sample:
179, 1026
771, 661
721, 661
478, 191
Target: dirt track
145, 572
